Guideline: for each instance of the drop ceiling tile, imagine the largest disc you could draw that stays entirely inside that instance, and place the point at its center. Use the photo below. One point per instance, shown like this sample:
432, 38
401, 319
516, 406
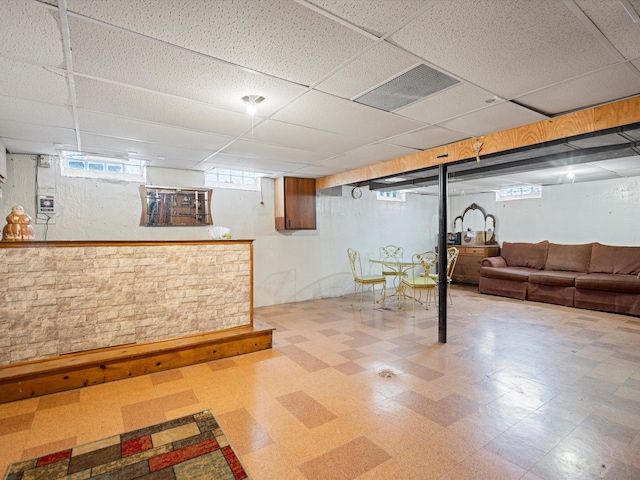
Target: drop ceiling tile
452, 102
509, 48
313, 171
362, 156
125, 128
375, 67
493, 119
627, 166
167, 69
37, 113
283, 39
262, 165
260, 150
162, 109
29, 132
32, 82
326, 112
376, 17
427, 138
615, 23
295, 136
146, 151
611, 83
30, 32
29, 147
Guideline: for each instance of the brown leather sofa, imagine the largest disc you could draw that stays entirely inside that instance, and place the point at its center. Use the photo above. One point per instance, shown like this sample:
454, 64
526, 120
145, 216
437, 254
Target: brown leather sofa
591, 275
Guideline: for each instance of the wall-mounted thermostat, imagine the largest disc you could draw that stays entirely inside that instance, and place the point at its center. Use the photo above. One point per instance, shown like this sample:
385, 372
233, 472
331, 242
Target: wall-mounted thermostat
46, 204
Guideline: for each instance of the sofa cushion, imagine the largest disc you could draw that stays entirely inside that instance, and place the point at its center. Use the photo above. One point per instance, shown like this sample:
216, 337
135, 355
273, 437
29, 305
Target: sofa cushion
554, 278
520, 254
573, 258
514, 274
610, 259
609, 282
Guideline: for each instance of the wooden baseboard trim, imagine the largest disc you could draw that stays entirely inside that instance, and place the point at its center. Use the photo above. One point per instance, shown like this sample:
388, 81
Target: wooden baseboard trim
77, 370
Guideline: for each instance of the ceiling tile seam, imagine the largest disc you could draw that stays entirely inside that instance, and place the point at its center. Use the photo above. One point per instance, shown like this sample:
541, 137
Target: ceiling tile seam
148, 122
337, 19
376, 40
66, 44
595, 31
181, 48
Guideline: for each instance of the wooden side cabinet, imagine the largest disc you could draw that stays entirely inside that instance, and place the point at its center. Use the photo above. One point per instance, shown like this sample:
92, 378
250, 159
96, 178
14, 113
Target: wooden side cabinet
467, 268
295, 203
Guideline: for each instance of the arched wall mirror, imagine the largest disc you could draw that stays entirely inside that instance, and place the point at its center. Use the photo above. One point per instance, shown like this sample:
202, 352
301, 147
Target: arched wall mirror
476, 226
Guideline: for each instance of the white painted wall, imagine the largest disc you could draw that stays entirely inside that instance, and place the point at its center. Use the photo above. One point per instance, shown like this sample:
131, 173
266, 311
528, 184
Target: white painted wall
606, 211
288, 267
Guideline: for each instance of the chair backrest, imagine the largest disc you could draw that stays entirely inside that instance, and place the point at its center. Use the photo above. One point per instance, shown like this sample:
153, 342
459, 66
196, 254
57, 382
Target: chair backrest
452, 257
424, 261
354, 261
391, 251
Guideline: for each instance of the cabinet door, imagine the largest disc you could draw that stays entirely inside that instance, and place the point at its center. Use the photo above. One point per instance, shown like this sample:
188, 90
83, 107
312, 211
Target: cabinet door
300, 203
295, 203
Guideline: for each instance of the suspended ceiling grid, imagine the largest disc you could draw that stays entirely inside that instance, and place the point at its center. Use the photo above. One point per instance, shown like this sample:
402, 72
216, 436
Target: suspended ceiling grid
163, 81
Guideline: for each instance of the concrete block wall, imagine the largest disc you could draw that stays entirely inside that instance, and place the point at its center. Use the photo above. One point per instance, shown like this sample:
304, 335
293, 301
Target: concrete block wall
58, 298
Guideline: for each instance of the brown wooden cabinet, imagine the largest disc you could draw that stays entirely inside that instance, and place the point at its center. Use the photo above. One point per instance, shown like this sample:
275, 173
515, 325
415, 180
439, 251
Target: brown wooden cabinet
295, 203
467, 268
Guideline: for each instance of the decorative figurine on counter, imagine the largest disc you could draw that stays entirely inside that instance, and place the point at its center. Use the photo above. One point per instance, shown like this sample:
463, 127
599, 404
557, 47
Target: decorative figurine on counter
18, 227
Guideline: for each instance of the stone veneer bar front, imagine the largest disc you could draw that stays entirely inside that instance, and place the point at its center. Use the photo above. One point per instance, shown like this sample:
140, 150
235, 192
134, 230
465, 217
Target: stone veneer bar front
63, 297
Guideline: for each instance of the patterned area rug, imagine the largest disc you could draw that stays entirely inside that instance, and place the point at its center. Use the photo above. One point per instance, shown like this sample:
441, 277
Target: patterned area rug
188, 448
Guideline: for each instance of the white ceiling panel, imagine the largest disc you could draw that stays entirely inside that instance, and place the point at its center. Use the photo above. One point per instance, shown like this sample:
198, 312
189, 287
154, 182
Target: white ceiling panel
25, 131
377, 66
146, 151
275, 37
154, 107
295, 136
452, 102
32, 82
30, 32
617, 81
164, 68
362, 156
312, 171
428, 137
28, 147
263, 165
333, 114
493, 119
615, 23
508, 48
374, 16
269, 151
125, 128
34, 112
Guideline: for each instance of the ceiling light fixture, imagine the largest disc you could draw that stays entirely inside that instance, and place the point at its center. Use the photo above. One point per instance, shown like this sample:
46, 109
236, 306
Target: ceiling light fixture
252, 101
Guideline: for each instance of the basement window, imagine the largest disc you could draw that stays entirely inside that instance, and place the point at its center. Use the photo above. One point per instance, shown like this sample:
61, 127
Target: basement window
395, 196
235, 179
74, 164
519, 192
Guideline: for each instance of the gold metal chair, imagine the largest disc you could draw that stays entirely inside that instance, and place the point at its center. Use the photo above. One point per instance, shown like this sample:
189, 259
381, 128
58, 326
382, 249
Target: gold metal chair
392, 252
360, 279
419, 279
452, 257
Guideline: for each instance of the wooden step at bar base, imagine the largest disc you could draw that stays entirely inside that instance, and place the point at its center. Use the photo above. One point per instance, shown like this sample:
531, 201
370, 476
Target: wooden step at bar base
76, 370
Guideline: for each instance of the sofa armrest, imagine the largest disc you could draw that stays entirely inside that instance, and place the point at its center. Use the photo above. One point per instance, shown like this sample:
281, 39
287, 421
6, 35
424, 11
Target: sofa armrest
494, 262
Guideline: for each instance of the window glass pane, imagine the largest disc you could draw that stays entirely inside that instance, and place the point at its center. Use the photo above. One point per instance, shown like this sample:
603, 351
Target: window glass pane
115, 168
76, 164
96, 167
236, 179
133, 169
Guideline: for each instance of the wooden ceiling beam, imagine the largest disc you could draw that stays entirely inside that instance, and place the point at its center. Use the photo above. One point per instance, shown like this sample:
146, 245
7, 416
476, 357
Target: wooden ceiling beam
611, 115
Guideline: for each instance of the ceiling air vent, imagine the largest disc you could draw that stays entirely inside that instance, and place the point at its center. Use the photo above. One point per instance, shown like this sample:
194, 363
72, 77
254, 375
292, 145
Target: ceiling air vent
417, 83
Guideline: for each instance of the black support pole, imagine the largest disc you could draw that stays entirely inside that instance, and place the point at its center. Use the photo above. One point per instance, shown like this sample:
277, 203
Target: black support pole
442, 254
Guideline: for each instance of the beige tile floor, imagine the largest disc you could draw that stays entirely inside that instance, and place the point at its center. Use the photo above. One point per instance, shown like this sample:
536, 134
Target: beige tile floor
521, 390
